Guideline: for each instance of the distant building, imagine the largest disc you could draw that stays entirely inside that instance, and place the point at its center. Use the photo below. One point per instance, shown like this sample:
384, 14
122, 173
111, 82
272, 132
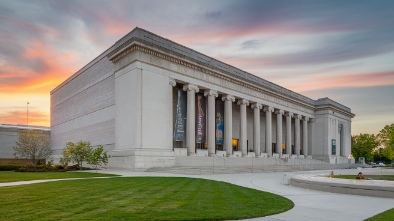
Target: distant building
8, 136
150, 102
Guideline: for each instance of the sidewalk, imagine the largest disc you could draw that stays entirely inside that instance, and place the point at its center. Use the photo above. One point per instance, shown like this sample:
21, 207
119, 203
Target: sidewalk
309, 204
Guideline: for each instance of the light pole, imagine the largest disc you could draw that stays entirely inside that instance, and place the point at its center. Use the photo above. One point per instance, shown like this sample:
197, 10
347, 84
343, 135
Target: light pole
27, 113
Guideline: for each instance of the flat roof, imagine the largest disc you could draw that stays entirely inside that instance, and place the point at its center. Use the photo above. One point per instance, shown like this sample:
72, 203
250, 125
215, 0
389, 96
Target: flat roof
24, 127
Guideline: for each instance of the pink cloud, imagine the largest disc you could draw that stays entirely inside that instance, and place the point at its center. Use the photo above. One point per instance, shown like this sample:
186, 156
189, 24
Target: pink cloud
347, 80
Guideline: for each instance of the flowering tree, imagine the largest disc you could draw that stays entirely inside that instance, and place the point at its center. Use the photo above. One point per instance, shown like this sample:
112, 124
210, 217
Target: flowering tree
32, 145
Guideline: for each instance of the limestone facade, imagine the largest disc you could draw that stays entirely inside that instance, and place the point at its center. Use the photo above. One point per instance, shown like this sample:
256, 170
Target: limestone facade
126, 100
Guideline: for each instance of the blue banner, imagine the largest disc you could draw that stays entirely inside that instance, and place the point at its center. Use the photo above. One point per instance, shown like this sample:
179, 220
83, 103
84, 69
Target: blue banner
180, 117
219, 115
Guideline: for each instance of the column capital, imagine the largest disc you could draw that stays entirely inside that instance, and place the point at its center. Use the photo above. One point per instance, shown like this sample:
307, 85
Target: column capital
289, 114
306, 119
243, 101
210, 93
268, 108
256, 105
298, 116
228, 97
172, 82
281, 112
190, 87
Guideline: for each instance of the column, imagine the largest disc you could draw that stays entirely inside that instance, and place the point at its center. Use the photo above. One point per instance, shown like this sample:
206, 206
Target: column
172, 84
228, 123
256, 128
191, 118
268, 130
305, 136
289, 115
279, 114
243, 133
211, 95
297, 134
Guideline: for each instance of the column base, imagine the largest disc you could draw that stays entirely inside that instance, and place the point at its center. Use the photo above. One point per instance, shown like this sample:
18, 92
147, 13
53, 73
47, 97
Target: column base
285, 156
202, 152
180, 151
263, 155
221, 153
275, 155
237, 154
251, 154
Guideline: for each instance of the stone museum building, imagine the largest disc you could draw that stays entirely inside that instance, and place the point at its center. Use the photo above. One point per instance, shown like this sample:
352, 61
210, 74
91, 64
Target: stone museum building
154, 103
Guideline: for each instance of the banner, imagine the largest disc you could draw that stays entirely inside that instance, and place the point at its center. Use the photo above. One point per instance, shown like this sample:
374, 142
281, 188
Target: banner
219, 115
180, 117
200, 119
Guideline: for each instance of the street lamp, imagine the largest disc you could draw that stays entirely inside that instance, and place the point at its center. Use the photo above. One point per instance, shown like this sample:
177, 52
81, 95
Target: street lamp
27, 113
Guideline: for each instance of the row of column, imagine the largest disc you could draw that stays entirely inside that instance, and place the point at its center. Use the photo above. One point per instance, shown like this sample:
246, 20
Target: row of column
243, 103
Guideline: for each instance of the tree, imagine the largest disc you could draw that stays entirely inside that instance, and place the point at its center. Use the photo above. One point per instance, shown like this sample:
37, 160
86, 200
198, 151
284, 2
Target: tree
98, 157
32, 145
386, 135
76, 153
363, 146
388, 153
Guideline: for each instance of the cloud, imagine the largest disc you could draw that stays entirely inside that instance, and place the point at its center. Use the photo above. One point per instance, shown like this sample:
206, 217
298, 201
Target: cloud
40, 69
36, 118
346, 80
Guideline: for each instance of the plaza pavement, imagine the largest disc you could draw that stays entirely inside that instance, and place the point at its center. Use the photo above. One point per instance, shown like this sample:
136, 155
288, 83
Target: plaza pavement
309, 204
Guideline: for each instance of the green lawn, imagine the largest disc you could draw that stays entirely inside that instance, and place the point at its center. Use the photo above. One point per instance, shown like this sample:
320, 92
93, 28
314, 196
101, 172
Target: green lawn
387, 215
137, 198
374, 177
10, 176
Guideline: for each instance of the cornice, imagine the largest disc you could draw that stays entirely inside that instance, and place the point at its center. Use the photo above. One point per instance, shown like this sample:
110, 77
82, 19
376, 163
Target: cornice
121, 53
335, 109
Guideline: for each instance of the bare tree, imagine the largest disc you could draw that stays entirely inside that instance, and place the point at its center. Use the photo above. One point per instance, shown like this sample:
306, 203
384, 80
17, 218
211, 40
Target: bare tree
32, 145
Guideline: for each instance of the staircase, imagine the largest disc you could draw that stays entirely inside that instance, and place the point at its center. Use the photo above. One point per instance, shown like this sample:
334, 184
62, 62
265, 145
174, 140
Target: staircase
197, 165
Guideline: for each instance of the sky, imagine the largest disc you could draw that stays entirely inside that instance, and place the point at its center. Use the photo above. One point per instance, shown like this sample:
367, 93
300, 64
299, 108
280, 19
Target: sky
339, 49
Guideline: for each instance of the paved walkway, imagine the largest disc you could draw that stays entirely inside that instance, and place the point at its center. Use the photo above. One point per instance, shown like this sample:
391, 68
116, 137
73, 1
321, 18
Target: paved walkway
309, 204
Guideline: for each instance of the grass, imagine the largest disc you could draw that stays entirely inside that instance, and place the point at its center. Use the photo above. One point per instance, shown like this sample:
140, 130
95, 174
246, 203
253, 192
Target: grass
137, 198
10, 176
386, 215
374, 177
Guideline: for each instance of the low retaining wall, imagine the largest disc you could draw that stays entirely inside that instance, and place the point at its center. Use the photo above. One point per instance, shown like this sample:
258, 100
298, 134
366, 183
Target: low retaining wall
376, 188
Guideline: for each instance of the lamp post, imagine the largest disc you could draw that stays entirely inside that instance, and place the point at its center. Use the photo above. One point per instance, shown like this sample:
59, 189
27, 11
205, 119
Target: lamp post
27, 113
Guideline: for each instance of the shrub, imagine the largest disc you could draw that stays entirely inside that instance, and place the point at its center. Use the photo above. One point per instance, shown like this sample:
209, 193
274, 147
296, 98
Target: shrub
9, 167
